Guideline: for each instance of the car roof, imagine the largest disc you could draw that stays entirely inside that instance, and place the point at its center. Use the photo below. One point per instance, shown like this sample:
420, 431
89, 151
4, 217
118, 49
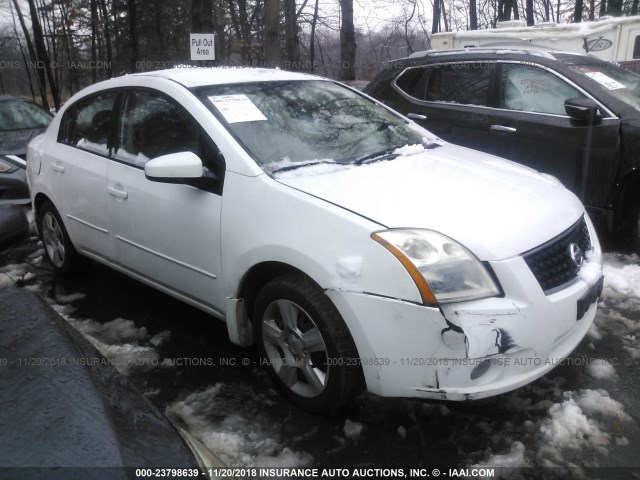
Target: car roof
8, 98
192, 77
499, 51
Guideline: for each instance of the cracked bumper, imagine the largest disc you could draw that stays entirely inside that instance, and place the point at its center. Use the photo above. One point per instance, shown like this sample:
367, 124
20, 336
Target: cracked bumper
467, 350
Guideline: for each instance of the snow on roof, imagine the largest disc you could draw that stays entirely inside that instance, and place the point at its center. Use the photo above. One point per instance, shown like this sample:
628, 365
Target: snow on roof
200, 76
547, 31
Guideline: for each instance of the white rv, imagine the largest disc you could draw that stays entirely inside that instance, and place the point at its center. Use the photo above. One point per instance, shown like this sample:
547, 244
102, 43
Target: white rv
611, 39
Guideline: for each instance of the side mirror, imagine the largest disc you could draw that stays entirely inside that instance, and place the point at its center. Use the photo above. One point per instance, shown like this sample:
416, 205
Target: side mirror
174, 168
583, 109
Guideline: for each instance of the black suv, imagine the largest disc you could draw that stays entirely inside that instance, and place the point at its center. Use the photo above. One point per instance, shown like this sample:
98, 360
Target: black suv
573, 116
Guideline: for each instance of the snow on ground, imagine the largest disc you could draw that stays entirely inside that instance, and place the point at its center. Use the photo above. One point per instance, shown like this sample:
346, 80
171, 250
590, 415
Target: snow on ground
622, 276
352, 429
506, 463
580, 427
601, 369
127, 347
10, 274
241, 436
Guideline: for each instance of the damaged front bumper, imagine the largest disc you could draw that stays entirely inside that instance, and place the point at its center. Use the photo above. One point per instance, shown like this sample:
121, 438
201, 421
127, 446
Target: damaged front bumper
472, 349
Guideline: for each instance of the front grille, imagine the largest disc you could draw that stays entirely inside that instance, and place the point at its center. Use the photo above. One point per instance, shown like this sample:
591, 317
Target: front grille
552, 264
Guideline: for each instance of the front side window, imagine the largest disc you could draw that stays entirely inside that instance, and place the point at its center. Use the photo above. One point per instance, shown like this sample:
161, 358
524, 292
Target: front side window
528, 88
87, 124
301, 121
152, 126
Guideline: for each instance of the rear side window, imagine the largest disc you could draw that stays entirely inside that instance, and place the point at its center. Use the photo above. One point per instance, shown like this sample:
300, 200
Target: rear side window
87, 124
532, 89
463, 83
412, 82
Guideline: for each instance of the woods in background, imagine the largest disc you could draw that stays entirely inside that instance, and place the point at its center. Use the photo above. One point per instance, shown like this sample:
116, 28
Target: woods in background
52, 48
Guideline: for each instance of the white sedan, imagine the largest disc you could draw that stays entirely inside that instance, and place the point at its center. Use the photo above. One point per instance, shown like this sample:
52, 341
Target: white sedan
353, 247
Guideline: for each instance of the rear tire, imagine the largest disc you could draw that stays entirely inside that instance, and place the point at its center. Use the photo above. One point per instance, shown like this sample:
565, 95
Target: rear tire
58, 247
306, 345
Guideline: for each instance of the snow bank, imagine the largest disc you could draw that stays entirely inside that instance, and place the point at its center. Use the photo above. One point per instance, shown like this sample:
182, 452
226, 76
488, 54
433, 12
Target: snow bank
601, 369
409, 150
128, 348
569, 426
622, 275
352, 430
506, 463
239, 438
10, 274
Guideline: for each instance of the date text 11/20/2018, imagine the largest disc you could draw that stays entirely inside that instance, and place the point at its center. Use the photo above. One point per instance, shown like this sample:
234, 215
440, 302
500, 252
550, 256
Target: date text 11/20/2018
349, 472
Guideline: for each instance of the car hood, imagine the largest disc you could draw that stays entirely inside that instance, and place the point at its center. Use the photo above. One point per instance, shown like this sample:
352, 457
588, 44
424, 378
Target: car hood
15, 142
494, 207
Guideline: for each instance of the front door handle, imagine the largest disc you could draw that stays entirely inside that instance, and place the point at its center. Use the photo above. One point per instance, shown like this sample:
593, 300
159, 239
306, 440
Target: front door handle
503, 129
417, 116
118, 193
58, 167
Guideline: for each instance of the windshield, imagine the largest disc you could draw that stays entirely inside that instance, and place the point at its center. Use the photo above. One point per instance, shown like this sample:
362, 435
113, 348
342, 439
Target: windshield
620, 83
22, 115
286, 124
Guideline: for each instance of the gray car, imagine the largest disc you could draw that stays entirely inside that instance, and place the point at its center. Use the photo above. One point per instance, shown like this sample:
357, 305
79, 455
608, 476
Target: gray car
20, 121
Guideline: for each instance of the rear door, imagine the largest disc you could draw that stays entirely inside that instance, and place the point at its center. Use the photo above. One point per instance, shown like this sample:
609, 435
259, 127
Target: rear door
450, 99
79, 161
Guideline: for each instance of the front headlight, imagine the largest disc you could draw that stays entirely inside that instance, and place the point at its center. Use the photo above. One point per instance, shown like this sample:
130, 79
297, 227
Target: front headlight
6, 166
443, 270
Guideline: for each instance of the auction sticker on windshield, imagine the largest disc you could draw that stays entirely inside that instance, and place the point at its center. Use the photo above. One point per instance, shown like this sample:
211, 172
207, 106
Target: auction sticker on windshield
604, 80
237, 108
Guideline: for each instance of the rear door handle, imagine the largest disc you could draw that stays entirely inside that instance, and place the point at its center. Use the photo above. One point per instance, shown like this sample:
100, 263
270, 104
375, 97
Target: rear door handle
503, 129
417, 116
58, 167
118, 193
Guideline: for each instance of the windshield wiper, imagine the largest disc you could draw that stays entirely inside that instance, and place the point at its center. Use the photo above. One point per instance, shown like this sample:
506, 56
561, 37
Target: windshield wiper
386, 154
295, 166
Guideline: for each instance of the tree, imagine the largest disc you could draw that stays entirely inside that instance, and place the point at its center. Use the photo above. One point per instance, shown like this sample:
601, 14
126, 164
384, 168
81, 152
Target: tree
291, 33
473, 15
271, 32
347, 42
529, 12
435, 26
577, 12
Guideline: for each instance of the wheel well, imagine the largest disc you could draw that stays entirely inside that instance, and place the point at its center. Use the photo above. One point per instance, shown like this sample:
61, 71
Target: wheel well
258, 276
37, 203
629, 198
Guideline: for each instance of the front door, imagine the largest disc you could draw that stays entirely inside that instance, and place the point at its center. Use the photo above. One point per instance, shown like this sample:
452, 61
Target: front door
166, 233
530, 126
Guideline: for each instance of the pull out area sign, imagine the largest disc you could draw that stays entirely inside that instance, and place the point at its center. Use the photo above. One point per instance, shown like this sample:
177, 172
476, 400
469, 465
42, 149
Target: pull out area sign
202, 46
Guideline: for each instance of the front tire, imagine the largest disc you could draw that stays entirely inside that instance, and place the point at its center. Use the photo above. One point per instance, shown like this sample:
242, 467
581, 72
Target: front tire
55, 239
306, 345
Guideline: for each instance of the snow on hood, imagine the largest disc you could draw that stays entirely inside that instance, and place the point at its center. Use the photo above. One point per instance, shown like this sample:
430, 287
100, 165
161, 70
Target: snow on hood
494, 207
